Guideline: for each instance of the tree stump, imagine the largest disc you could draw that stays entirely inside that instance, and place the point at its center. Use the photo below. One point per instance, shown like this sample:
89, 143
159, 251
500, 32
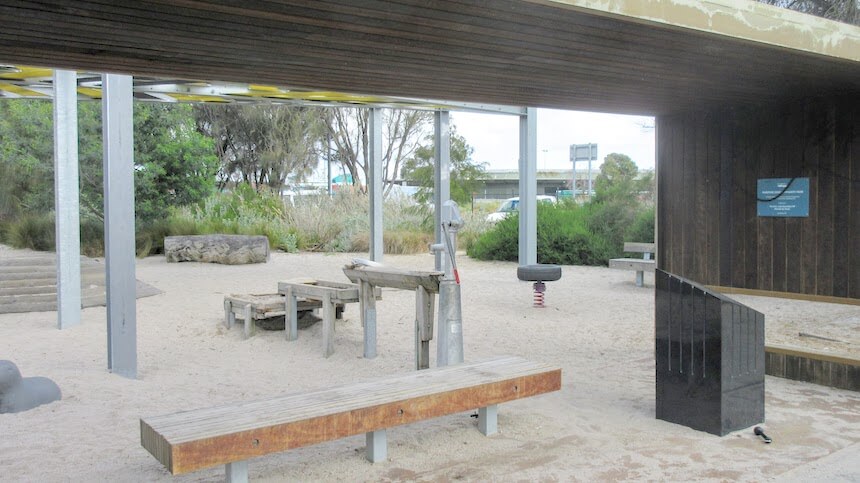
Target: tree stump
225, 249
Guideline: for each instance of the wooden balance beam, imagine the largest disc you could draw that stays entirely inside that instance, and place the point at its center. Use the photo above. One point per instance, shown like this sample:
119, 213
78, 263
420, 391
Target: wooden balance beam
230, 435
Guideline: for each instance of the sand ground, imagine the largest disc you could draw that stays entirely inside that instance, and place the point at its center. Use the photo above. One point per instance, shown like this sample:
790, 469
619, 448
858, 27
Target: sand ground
598, 326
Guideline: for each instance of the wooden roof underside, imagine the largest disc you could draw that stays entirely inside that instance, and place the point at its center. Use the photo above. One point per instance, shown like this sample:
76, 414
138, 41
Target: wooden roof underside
555, 54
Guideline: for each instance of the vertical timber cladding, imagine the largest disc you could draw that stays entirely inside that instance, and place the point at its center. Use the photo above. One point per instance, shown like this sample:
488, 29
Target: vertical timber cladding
709, 163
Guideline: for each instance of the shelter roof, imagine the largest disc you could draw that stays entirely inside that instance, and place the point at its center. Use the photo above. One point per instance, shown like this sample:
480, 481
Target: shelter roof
631, 56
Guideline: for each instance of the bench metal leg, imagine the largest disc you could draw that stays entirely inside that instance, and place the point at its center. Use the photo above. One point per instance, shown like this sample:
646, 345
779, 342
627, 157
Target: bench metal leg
377, 446
250, 326
488, 420
291, 320
328, 324
640, 278
237, 472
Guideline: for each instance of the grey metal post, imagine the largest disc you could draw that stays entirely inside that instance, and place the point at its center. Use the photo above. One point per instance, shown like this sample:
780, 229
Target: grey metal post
449, 340
488, 419
375, 183
236, 472
66, 199
528, 187
589, 178
377, 446
119, 224
442, 174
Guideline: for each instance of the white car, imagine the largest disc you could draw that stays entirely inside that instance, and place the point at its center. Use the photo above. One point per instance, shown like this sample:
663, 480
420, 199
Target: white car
512, 204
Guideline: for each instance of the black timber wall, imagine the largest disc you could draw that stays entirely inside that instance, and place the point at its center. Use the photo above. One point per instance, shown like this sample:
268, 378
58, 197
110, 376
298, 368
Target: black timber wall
708, 164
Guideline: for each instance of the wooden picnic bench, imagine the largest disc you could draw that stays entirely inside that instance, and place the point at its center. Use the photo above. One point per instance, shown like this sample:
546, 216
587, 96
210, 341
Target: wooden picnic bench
640, 265
231, 434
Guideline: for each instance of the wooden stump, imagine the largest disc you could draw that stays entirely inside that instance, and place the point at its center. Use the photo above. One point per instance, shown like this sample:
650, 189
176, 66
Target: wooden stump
225, 249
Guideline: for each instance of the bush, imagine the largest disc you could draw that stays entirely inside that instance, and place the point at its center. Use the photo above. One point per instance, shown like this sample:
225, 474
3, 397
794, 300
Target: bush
569, 234
642, 229
35, 232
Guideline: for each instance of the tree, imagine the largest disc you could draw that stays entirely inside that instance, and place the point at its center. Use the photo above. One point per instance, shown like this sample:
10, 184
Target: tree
619, 180
847, 11
262, 145
466, 175
350, 135
618, 194
173, 163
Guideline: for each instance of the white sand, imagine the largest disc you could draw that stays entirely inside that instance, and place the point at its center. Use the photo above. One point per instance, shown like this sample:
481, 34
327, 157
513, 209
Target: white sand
598, 327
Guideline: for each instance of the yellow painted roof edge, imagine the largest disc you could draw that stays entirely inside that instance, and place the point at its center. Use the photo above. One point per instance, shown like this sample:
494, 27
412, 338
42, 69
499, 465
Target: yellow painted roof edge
739, 19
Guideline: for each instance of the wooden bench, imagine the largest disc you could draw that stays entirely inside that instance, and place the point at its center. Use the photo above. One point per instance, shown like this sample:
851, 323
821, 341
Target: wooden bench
230, 435
640, 265
253, 307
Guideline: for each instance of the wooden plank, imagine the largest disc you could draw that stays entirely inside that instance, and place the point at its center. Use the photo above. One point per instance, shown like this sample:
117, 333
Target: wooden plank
632, 264
765, 168
809, 225
328, 324
775, 131
740, 170
793, 139
843, 127
394, 278
854, 204
424, 305
664, 170
697, 160
749, 186
727, 219
320, 289
192, 440
639, 247
688, 196
825, 129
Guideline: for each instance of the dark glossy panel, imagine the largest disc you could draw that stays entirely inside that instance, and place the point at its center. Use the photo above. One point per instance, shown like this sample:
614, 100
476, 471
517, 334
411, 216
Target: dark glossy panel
709, 353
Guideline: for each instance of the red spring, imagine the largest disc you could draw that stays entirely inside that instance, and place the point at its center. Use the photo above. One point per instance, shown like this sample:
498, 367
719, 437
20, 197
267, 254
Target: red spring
540, 288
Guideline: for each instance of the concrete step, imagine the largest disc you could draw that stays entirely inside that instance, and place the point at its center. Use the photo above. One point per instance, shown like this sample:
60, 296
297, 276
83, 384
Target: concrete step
47, 297
21, 307
50, 269
46, 259
21, 280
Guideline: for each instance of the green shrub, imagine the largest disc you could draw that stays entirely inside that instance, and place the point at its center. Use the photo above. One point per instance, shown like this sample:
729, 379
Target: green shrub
642, 229
92, 237
567, 233
33, 231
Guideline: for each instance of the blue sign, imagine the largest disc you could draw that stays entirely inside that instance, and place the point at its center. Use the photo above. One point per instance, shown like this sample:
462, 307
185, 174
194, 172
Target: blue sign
783, 197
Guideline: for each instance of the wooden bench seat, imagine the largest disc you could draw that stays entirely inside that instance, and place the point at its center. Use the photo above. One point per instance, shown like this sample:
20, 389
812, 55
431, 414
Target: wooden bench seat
230, 435
639, 265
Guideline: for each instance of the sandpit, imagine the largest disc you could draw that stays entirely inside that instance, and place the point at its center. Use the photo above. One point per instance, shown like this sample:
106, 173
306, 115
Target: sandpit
598, 326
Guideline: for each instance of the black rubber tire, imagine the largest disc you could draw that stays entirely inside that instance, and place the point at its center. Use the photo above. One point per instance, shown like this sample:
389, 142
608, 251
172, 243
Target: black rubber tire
539, 273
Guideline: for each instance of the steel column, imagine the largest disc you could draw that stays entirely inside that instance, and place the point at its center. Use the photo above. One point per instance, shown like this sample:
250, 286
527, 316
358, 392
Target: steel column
66, 199
375, 183
528, 187
442, 174
117, 125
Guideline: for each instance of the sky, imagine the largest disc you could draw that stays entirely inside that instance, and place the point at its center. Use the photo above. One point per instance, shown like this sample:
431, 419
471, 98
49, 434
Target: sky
495, 137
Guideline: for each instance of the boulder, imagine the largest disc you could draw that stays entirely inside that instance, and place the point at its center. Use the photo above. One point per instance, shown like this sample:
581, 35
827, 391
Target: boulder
22, 393
225, 249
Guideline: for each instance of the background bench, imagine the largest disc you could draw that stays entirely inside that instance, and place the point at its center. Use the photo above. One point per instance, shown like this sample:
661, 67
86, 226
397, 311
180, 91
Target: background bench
640, 265
230, 435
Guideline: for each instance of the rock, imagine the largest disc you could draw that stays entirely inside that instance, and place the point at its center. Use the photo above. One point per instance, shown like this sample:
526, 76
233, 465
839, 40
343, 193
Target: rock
225, 249
22, 393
